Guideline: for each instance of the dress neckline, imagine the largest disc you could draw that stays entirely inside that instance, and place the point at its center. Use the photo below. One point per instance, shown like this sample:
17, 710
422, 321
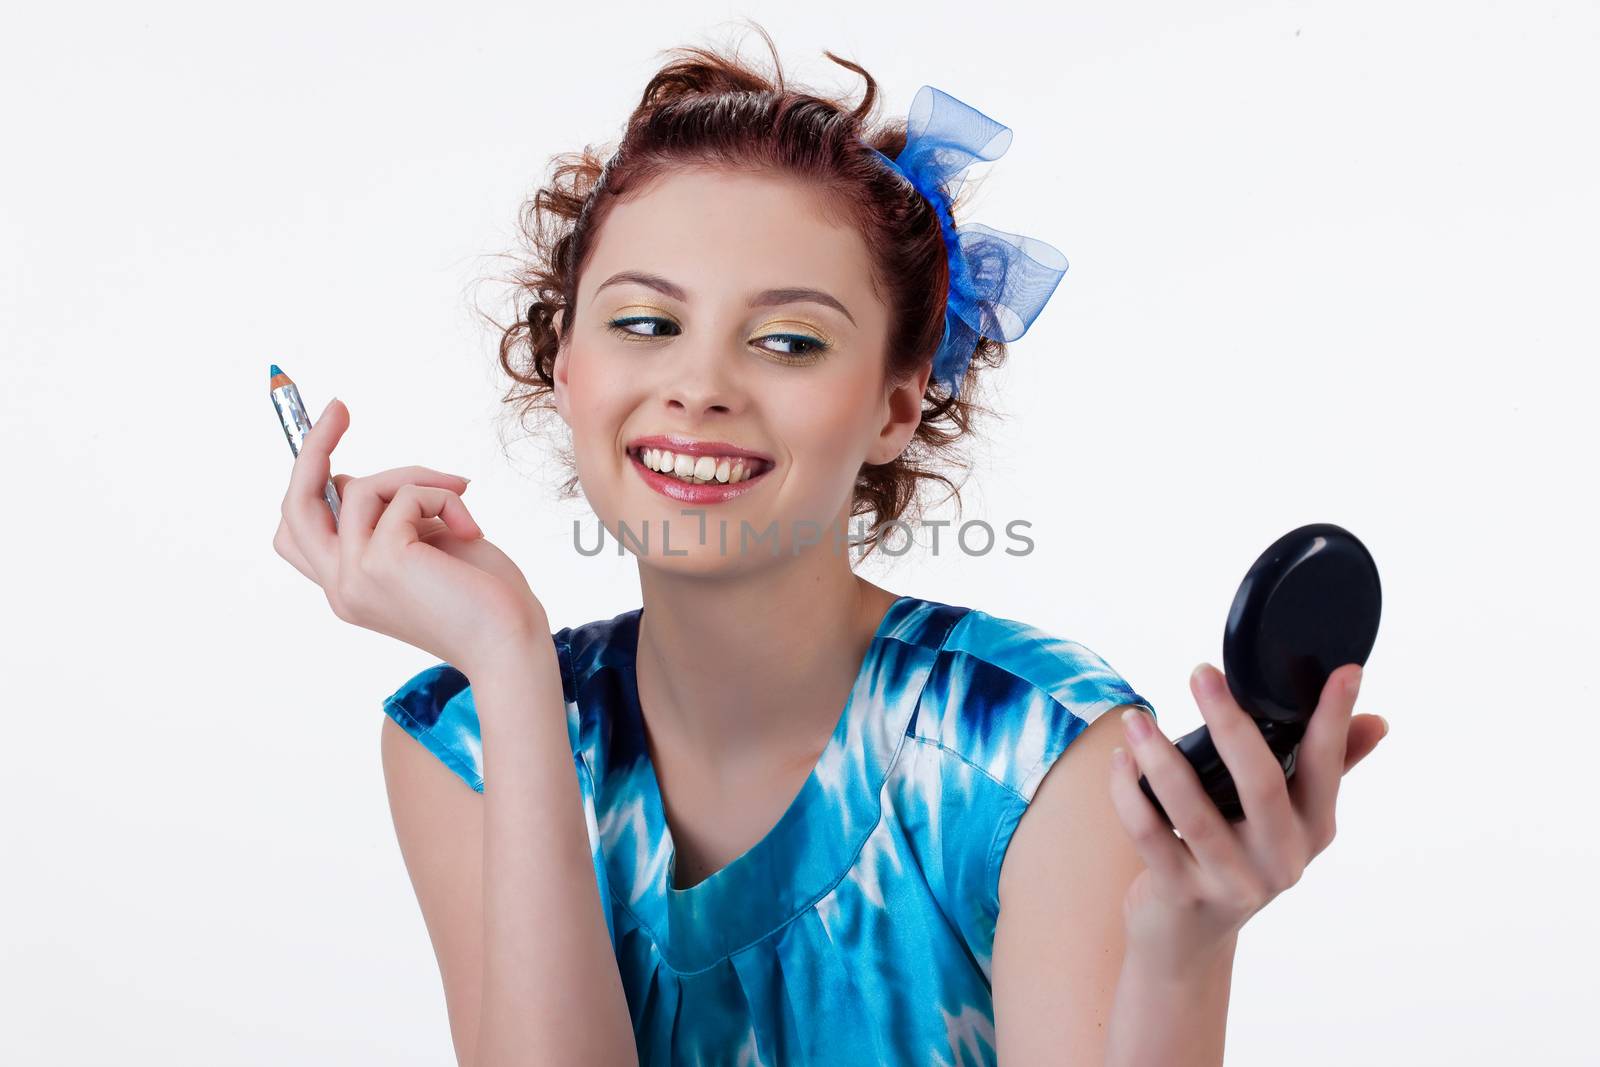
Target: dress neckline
815, 841
807, 794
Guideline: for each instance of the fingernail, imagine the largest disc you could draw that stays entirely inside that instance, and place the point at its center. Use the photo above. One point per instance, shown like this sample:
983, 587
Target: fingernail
327, 409
1119, 757
1385, 727
1138, 728
1354, 685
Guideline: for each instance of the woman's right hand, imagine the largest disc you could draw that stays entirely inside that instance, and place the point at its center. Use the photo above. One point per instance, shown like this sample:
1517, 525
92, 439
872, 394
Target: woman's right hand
406, 558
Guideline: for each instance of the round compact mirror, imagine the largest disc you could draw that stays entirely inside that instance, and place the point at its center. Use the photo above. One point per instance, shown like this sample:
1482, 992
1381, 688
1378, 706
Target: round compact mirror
1308, 605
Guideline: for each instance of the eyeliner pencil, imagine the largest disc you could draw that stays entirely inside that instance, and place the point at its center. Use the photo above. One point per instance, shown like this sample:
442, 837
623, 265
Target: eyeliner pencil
296, 424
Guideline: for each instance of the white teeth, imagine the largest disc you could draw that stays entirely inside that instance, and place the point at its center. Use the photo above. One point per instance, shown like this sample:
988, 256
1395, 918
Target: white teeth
698, 470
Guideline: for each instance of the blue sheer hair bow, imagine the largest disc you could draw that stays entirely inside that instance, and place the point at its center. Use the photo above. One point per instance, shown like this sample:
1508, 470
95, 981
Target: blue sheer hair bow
999, 282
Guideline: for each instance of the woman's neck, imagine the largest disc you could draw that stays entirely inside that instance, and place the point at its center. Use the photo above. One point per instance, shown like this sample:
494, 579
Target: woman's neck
740, 675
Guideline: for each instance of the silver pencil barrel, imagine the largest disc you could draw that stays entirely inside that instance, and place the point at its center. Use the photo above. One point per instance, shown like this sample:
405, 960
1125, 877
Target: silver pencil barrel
296, 424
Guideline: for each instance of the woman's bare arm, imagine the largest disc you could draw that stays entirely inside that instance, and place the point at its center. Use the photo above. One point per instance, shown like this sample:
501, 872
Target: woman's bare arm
521, 939
1063, 986
552, 992
438, 820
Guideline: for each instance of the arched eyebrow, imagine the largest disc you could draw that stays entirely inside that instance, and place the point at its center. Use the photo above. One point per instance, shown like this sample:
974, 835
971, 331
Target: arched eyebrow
765, 298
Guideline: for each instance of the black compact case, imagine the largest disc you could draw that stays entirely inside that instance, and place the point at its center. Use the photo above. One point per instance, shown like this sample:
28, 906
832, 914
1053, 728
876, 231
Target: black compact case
1308, 605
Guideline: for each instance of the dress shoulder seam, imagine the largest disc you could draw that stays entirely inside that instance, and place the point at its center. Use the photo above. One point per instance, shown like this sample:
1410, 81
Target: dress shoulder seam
933, 742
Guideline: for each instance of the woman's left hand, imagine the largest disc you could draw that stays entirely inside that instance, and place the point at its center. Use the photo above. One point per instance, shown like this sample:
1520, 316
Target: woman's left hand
1195, 893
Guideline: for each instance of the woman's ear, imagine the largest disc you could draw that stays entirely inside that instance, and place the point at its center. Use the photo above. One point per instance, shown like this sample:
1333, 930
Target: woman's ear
559, 370
904, 404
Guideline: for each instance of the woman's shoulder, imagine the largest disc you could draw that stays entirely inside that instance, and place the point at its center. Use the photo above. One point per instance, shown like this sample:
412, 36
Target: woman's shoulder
1069, 671
594, 646
1008, 696
435, 705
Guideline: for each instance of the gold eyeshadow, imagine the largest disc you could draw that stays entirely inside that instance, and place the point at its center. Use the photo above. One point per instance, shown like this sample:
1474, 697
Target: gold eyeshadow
810, 327
630, 309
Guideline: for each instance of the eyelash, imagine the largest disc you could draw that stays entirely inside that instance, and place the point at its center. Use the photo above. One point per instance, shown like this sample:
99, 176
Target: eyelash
819, 346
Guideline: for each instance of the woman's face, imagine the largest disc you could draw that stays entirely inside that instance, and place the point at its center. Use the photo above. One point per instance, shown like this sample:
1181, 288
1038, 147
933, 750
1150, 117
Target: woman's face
691, 336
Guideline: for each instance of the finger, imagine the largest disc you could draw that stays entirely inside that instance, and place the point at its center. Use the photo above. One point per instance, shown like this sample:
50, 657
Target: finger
423, 475
1365, 733
1193, 813
1320, 762
1166, 856
364, 500
1263, 790
305, 510
397, 526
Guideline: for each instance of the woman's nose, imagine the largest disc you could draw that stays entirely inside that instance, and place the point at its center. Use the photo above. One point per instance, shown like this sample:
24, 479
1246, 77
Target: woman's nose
703, 381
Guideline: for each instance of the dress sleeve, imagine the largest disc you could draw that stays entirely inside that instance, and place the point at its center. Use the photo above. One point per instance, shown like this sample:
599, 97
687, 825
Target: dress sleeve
435, 706
1004, 703
1086, 689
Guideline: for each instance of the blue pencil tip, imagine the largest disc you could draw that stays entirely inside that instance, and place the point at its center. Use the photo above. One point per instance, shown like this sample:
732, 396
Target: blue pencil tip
275, 371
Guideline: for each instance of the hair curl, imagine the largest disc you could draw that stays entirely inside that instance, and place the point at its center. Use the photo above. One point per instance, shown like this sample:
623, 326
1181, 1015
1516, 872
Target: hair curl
710, 108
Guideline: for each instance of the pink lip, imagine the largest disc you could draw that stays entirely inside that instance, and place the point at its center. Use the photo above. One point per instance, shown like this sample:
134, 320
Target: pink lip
686, 493
692, 447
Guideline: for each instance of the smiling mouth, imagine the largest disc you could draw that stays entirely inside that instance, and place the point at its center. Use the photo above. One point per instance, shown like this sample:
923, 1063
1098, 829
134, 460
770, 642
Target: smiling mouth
701, 470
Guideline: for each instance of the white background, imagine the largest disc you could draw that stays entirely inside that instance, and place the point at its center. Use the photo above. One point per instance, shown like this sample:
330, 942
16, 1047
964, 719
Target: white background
1329, 262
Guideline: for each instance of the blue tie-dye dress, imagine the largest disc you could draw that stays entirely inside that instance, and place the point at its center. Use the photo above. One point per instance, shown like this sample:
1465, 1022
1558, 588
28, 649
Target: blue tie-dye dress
859, 929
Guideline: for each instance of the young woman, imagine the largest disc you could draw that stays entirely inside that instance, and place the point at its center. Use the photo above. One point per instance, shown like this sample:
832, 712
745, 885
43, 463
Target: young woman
657, 837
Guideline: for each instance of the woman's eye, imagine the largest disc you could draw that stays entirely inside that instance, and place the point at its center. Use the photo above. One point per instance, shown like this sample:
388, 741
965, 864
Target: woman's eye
815, 348
621, 326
